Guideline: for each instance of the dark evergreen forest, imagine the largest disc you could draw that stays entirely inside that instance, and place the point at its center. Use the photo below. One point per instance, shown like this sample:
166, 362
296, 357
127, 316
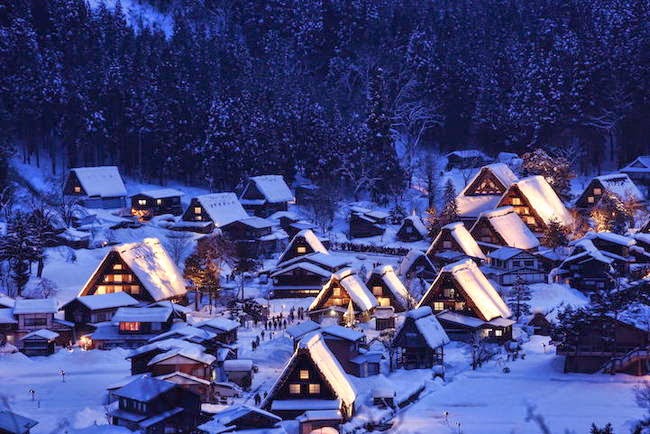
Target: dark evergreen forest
323, 88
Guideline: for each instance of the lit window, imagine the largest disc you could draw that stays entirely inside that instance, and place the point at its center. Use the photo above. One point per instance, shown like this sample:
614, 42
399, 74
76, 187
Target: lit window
142, 201
590, 199
598, 191
197, 210
117, 278
158, 201
530, 220
525, 210
117, 267
130, 326
516, 201
337, 291
301, 249
498, 332
304, 374
377, 290
135, 289
294, 389
314, 389
77, 189
198, 217
438, 306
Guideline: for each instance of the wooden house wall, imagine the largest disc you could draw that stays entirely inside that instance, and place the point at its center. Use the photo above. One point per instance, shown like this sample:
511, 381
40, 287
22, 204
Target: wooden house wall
583, 200
360, 228
484, 232
191, 216
303, 362
384, 296
486, 183
130, 282
71, 182
184, 365
457, 302
296, 243
298, 277
439, 244
588, 275
525, 209
408, 233
167, 205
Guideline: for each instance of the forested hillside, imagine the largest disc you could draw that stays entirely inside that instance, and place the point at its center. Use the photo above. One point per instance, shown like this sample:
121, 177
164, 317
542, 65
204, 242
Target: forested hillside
321, 88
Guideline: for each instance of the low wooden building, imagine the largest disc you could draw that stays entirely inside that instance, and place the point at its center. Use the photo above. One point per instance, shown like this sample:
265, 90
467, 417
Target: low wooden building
224, 328
608, 345
639, 170
366, 223
349, 348
31, 315
210, 211
388, 289
616, 184
303, 243
255, 237
540, 324
150, 203
344, 287
184, 360
13, 423
536, 203
155, 406
503, 227
419, 342
454, 237
467, 305
266, 194
39, 343
317, 421
96, 187
412, 229
587, 268
144, 270
313, 379
92, 309
130, 328
240, 418
416, 265
509, 265
483, 192
239, 372
466, 159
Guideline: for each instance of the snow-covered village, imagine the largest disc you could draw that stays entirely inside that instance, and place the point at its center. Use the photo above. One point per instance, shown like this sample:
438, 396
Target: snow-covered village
324, 217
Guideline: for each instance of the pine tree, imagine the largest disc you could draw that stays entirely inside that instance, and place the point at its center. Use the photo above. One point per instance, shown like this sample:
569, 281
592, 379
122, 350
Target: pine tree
555, 234
519, 298
611, 215
555, 169
397, 214
607, 429
432, 222
449, 212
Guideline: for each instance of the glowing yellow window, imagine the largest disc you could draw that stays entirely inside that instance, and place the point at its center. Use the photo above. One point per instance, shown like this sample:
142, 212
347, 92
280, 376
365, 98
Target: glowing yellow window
117, 266
301, 249
590, 199
598, 191
77, 189
530, 220
438, 306
294, 389
377, 290
158, 201
314, 389
142, 201
498, 332
304, 374
516, 201
197, 210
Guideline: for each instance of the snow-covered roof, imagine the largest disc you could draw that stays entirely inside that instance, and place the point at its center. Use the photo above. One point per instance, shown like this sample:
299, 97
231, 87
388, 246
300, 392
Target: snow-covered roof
428, 326
42, 333
343, 332
302, 329
256, 222
6, 302
165, 345
7, 317
141, 314
312, 415
312, 268
41, 305
153, 266
611, 237
273, 188
394, 284
187, 332
189, 353
102, 181
144, 389
500, 170
468, 153
507, 223
639, 164
355, 287
329, 367
544, 200
182, 378
621, 185
418, 224
161, 193
219, 323
585, 247
310, 238
235, 412
409, 259
463, 238
472, 206
238, 365
107, 301
504, 253
223, 208
471, 321
15, 423
477, 287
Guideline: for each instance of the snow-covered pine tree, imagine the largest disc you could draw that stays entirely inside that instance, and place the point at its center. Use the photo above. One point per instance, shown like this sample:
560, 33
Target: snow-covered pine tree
449, 212
519, 298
